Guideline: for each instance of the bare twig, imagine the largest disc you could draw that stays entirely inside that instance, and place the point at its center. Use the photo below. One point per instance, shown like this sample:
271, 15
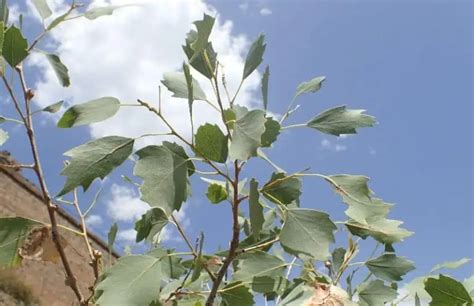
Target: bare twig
17, 166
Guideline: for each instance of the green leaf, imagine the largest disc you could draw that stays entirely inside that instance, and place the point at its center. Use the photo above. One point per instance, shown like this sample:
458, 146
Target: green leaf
447, 291
132, 281
339, 120
176, 83
164, 175
382, 230
53, 108
111, 237
282, 189
272, 130
151, 223
417, 300
3, 137
247, 133
254, 56
211, 143
60, 69
338, 258
375, 293
389, 267
179, 150
189, 87
469, 285
42, 8
2, 35
451, 264
4, 11
171, 266
235, 294
89, 112
97, 12
268, 284
58, 20
258, 263
216, 193
297, 296
204, 29
307, 232
255, 210
2, 66
311, 86
200, 63
95, 159
13, 232
265, 79
14, 46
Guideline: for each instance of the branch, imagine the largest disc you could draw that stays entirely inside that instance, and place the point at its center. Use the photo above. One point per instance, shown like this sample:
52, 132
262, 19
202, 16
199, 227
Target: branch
70, 277
17, 166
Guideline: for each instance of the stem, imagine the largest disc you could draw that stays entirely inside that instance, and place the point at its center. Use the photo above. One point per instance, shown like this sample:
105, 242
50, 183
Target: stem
70, 277
287, 277
219, 102
17, 166
15, 101
12, 120
293, 126
258, 246
287, 113
234, 244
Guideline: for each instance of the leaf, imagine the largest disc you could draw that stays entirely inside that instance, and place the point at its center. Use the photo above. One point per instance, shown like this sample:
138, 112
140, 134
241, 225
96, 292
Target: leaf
179, 150
307, 232
42, 8
164, 175
254, 56
2, 33
89, 112
258, 263
282, 189
132, 281
3, 137
111, 237
265, 79
417, 300
97, 12
200, 62
176, 83
311, 86
3, 11
338, 258
189, 87
14, 46
268, 284
216, 193
151, 223
447, 291
204, 29
171, 266
383, 230
297, 296
13, 232
2, 65
53, 108
375, 293
451, 264
95, 159
60, 69
389, 267
339, 120
272, 130
211, 143
255, 210
468, 283
58, 20
247, 133
235, 294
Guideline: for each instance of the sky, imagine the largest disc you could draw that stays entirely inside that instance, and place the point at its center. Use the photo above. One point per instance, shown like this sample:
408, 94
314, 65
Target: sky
408, 63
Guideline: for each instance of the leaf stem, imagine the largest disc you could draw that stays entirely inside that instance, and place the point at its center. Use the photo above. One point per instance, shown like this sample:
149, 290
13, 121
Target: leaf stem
293, 126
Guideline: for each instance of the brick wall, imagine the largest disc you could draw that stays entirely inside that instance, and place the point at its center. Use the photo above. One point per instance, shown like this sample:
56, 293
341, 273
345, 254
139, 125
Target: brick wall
18, 197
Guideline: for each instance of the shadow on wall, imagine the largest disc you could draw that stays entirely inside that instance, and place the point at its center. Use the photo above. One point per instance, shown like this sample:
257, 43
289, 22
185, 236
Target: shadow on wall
14, 292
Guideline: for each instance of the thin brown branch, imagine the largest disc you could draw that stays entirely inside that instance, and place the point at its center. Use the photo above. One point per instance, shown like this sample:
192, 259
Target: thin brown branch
17, 166
15, 101
234, 244
70, 277
219, 102
258, 246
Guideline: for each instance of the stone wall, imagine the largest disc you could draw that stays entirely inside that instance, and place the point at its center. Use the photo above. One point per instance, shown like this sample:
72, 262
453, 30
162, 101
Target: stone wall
18, 197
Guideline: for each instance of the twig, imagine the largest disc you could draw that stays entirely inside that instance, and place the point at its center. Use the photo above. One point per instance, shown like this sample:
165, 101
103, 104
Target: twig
70, 277
17, 166
258, 246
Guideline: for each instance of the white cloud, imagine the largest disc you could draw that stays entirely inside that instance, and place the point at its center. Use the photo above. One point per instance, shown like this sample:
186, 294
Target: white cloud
94, 221
126, 54
265, 11
127, 236
124, 204
335, 147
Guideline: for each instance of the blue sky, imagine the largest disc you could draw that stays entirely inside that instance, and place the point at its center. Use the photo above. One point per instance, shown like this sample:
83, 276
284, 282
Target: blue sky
409, 63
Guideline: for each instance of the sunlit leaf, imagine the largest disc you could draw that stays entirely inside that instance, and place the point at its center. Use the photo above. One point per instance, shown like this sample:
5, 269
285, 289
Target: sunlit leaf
375, 293
53, 108
95, 159
297, 296
176, 83
97, 12
179, 150
150, 224
382, 230
89, 112
254, 56
43, 8
211, 143
3, 137
216, 193
258, 263
235, 294
339, 120
14, 46
282, 189
451, 264
311, 86
268, 284
308, 232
